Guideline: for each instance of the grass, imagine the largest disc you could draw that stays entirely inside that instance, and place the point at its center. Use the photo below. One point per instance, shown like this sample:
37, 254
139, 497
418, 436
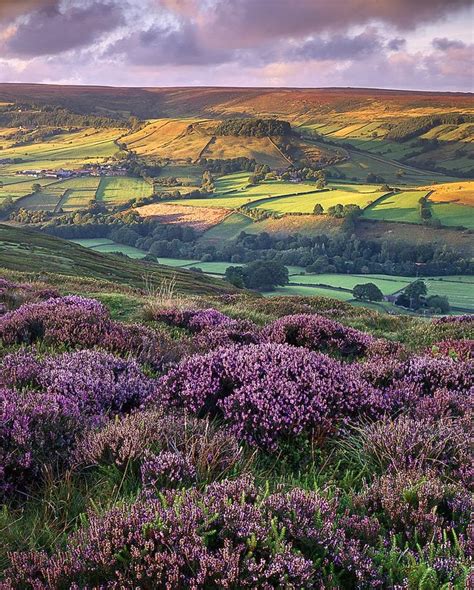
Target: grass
117, 189
305, 291
108, 246
228, 229
327, 198
401, 207
33, 252
387, 284
68, 150
460, 192
453, 214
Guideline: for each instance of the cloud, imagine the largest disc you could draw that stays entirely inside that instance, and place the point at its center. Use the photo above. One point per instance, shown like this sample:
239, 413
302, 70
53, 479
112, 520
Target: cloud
338, 47
51, 30
10, 9
396, 44
168, 45
443, 44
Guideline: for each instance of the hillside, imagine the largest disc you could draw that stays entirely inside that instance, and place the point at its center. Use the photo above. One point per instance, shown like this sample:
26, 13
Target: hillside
33, 252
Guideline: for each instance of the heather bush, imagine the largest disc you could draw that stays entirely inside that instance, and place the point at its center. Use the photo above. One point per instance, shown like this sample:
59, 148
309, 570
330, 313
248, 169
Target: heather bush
227, 536
404, 443
19, 370
318, 333
36, 430
98, 382
166, 469
270, 392
125, 442
78, 322
417, 506
457, 349
12, 295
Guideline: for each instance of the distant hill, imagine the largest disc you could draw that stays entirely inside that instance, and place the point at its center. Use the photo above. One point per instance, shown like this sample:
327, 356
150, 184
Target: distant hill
225, 101
30, 251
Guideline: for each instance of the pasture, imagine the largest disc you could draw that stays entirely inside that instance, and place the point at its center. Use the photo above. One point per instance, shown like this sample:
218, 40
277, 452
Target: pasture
109, 247
67, 150
453, 214
327, 198
114, 190
228, 229
401, 207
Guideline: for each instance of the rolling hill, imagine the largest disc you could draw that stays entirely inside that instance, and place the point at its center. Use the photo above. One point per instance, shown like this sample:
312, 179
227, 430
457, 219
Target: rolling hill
32, 252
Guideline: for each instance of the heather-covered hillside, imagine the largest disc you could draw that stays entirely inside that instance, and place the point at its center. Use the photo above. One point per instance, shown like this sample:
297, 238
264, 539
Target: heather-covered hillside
155, 440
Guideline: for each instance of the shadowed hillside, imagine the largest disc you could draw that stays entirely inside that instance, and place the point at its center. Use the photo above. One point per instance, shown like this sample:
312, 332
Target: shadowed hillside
30, 251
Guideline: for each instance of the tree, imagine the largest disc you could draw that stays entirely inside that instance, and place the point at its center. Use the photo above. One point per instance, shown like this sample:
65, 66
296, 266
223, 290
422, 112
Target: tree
438, 303
367, 292
235, 276
265, 275
413, 295
36, 187
318, 209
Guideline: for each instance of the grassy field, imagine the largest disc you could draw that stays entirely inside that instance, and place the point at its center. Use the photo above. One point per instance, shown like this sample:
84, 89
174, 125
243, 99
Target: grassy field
327, 198
387, 284
114, 190
108, 246
310, 292
461, 192
228, 229
402, 207
68, 150
453, 214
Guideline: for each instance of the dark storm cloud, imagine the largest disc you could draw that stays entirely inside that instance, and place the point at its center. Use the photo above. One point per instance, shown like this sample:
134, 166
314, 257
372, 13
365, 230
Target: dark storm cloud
443, 44
396, 44
51, 29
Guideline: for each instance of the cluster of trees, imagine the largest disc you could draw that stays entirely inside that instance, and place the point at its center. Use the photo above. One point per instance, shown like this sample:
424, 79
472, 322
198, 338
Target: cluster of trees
259, 275
253, 127
414, 126
31, 116
222, 166
415, 297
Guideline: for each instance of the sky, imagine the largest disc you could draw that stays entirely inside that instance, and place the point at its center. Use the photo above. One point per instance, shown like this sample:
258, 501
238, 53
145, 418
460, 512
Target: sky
406, 44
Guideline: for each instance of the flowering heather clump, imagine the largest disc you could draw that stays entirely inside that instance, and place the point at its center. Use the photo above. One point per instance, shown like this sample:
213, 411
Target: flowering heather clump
269, 392
406, 443
417, 505
454, 319
36, 430
225, 537
19, 369
126, 441
83, 323
458, 349
167, 469
317, 333
97, 382
68, 320
239, 332
12, 295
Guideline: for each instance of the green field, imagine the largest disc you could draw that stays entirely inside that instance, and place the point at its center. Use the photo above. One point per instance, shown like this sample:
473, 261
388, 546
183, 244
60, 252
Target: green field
67, 150
453, 214
402, 207
108, 247
310, 292
327, 198
459, 290
386, 284
119, 189
228, 229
